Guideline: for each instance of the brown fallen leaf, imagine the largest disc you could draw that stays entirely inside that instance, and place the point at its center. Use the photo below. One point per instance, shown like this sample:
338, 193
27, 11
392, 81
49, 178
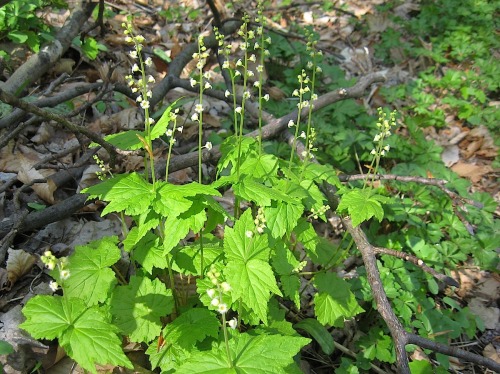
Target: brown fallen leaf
19, 263
471, 171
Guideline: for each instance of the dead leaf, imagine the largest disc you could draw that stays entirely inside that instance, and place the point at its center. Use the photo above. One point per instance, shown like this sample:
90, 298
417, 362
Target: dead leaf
471, 171
27, 174
490, 352
19, 263
450, 155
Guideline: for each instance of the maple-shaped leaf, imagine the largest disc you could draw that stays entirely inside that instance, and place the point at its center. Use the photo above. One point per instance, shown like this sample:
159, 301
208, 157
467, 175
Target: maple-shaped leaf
160, 127
192, 326
262, 195
129, 193
261, 354
334, 301
261, 166
252, 281
282, 217
91, 278
362, 205
172, 200
138, 307
149, 253
85, 333
241, 244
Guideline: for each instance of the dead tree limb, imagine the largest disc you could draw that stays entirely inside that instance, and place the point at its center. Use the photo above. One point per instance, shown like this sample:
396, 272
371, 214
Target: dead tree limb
399, 335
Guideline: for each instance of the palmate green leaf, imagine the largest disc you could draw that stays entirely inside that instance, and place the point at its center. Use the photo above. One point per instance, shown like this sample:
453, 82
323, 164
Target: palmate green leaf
187, 259
284, 264
362, 205
282, 217
253, 281
334, 301
262, 195
138, 307
149, 253
262, 166
176, 228
168, 357
127, 192
85, 333
91, 278
239, 246
190, 327
319, 172
250, 355
229, 150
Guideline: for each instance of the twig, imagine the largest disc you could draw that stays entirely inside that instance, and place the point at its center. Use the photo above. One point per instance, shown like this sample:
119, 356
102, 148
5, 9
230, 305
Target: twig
418, 262
400, 336
14, 101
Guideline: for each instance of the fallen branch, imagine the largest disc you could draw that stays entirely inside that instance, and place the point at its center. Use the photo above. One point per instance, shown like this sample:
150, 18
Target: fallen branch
49, 116
400, 336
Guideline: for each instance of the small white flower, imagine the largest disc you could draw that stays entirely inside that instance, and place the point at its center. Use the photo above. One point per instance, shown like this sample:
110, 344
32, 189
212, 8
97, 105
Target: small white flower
291, 124
373, 152
207, 85
252, 58
256, 84
208, 145
227, 93
249, 234
151, 121
134, 89
225, 64
376, 138
225, 286
53, 286
192, 82
145, 104
148, 61
222, 308
260, 68
64, 274
128, 39
133, 54
233, 323
149, 93
211, 293
151, 79
168, 133
295, 93
266, 97
194, 117
135, 67
302, 135
198, 108
215, 302
250, 73
138, 99
238, 110
239, 63
180, 128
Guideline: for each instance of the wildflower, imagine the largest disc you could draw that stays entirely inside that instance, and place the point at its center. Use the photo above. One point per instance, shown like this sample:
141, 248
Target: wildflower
151, 79
252, 58
291, 124
192, 82
198, 108
266, 97
211, 293
180, 128
135, 67
225, 64
238, 110
215, 302
64, 274
53, 286
222, 308
233, 323
194, 117
225, 286
149, 93
148, 61
145, 104
168, 133
256, 84
249, 234
133, 54
128, 39
227, 93
207, 85
208, 145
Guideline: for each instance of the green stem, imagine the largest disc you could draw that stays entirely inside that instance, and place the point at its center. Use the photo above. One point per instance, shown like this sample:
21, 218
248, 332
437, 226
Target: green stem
226, 340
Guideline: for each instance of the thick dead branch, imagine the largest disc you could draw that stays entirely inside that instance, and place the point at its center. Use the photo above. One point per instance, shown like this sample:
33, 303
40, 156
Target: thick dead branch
40, 63
400, 336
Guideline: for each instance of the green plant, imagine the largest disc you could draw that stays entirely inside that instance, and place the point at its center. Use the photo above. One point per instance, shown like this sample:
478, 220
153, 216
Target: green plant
235, 322
20, 23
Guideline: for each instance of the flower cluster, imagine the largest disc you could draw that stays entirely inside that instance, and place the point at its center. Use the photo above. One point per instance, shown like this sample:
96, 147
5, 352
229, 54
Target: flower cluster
101, 175
316, 213
219, 289
260, 221
304, 81
384, 126
139, 85
307, 154
51, 262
